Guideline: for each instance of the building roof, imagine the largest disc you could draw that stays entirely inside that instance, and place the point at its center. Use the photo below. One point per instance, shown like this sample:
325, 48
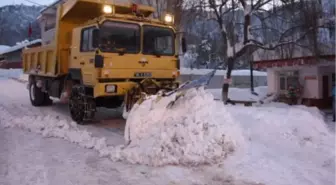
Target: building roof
20, 45
297, 61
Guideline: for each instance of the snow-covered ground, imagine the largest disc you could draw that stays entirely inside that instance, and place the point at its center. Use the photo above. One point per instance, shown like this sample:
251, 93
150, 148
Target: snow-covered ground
207, 142
242, 94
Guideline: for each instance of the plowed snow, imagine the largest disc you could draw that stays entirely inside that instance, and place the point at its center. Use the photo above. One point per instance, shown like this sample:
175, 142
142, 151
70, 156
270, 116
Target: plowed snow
195, 130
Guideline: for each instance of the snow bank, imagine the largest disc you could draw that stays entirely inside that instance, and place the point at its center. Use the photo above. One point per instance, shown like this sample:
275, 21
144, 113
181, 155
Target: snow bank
187, 133
50, 126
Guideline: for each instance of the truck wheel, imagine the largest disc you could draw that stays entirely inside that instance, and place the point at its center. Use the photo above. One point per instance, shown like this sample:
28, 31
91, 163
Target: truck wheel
37, 97
81, 108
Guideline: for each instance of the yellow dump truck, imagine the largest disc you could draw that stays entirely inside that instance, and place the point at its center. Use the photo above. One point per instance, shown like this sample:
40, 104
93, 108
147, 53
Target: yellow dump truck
104, 55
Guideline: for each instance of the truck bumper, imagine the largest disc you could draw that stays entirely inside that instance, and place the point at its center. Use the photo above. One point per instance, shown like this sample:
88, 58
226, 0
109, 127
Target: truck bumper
104, 89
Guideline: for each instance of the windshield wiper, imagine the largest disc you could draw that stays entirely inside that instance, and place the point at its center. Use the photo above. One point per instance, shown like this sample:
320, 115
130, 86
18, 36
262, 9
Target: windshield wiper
121, 51
156, 53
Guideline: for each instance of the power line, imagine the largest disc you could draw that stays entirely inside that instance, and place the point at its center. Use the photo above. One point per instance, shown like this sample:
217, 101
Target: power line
35, 3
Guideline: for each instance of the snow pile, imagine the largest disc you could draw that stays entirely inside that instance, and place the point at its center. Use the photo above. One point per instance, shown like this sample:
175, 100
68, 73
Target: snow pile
188, 132
286, 145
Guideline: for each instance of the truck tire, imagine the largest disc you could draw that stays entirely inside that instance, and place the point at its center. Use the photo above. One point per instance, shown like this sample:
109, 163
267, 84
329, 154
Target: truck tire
37, 97
81, 107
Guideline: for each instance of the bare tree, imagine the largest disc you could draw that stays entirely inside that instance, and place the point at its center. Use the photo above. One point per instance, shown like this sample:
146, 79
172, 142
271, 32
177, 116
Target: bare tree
174, 7
256, 17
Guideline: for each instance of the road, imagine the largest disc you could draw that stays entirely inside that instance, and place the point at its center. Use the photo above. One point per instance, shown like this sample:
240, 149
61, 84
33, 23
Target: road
15, 96
28, 158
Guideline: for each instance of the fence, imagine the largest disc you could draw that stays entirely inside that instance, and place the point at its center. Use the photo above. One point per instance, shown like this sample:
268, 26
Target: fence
237, 81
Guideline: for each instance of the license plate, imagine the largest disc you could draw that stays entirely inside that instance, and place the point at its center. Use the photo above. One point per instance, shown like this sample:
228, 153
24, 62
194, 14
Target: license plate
142, 75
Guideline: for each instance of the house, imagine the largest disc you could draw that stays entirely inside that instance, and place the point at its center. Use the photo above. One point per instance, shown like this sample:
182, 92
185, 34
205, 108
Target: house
47, 21
315, 76
11, 56
309, 69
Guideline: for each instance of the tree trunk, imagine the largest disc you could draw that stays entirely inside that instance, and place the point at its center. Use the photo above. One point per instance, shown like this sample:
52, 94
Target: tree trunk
226, 84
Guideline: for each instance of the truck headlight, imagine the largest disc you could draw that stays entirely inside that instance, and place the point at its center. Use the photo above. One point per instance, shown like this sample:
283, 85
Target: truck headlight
107, 9
111, 88
169, 18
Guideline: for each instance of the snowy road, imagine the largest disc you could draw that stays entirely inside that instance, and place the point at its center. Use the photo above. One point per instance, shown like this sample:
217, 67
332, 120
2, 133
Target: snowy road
27, 158
30, 159
14, 98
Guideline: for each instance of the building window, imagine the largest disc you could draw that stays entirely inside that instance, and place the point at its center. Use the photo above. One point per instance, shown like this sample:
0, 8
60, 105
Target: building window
282, 83
288, 78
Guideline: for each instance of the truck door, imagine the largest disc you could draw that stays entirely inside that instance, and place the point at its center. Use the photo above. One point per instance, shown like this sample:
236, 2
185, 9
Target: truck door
83, 59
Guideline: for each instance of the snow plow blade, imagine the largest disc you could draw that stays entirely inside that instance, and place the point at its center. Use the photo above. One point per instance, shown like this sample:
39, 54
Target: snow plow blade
149, 87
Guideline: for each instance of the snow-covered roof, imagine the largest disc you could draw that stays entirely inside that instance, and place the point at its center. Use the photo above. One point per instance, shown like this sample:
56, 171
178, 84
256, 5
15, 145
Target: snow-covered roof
20, 45
3, 48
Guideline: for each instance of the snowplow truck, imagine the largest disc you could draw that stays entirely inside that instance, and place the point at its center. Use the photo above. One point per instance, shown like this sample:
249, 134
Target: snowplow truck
104, 55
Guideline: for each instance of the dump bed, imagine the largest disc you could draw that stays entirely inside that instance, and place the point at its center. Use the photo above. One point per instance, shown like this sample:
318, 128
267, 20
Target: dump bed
40, 61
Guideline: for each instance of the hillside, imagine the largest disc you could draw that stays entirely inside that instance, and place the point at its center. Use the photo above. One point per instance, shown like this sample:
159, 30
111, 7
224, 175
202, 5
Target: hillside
14, 21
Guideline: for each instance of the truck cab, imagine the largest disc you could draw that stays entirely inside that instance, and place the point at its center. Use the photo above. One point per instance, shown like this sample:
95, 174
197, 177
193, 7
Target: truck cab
105, 55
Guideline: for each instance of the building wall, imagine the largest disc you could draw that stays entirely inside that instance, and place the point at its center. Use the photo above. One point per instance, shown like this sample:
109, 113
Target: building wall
328, 71
13, 56
310, 86
272, 81
47, 23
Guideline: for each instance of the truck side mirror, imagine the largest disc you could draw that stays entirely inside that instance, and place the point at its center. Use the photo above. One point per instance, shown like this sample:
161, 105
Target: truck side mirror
184, 45
95, 38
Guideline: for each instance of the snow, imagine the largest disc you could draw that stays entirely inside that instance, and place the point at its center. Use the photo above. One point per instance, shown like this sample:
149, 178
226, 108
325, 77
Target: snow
247, 10
10, 73
272, 144
3, 48
242, 72
176, 135
284, 145
287, 145
20, 45
242, 94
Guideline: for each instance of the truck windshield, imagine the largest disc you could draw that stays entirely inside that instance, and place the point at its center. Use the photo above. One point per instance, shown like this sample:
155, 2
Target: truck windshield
158, 41
119, 37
